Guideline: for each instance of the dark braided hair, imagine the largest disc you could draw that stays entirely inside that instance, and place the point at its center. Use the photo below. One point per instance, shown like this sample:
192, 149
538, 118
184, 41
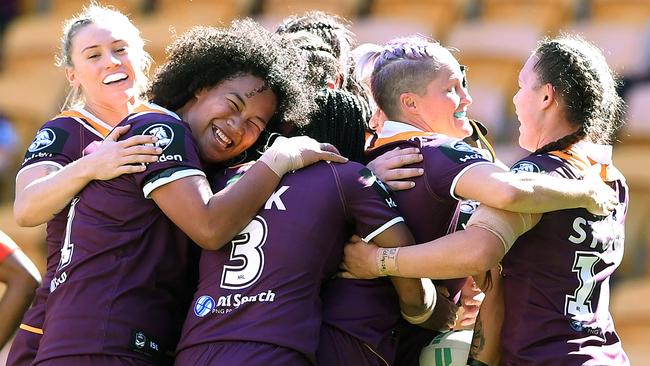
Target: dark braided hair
203, 57
341, 117
586, 87
403, 65
341, 120
334, 31
322, 66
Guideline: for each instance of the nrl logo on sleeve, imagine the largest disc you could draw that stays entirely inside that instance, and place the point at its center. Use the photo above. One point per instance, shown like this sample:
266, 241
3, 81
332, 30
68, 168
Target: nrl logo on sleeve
525, 167
43, 139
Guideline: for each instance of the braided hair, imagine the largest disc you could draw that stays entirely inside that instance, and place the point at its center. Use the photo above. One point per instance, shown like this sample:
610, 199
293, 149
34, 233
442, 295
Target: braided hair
403, 65
335, 32
341, 120
203, 57
341, 117
586, 86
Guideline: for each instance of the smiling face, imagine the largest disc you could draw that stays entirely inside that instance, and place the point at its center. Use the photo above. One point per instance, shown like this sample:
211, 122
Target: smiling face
103, 66
229, 117
443, 107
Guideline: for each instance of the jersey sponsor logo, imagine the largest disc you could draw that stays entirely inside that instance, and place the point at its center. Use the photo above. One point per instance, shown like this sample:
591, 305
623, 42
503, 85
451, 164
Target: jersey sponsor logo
580, 327
204, 306
48, 141
369, 179
466, 209
468, 206
170, 139
228, 303
43, 139
461, 146
525, 167
459, 151
163, 132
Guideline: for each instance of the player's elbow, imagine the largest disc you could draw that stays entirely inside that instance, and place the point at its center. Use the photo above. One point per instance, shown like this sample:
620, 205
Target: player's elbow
486, 254
23, 217
212, 236
506, 198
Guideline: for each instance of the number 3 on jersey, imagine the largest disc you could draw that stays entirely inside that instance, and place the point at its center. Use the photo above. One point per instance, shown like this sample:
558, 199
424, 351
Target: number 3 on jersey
246, 250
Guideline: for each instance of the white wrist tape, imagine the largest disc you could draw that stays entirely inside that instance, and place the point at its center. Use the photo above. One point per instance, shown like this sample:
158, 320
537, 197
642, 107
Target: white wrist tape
387, 261
506, 225
430, 299
283, 156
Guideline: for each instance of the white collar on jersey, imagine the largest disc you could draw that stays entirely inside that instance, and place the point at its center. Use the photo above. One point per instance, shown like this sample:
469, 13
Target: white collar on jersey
392, 128
601, 154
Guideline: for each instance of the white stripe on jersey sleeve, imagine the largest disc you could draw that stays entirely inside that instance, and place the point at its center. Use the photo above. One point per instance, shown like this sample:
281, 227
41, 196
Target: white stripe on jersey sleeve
149, 187
57, 165
383, 227
452, 189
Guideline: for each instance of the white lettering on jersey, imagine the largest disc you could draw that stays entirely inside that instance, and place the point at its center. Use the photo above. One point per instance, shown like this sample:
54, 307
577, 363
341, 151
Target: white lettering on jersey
579, 227
275, 199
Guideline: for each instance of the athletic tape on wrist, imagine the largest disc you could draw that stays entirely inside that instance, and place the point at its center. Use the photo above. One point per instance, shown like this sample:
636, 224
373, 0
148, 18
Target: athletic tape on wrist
387, 261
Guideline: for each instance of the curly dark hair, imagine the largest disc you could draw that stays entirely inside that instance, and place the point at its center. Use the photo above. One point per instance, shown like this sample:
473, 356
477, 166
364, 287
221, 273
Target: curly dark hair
203, 57
586, 87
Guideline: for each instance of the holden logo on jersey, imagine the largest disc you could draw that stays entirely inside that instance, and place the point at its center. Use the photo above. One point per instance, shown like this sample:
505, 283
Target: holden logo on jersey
203, 306
43, 139
461, 146
163, 132
468, 206
525, 167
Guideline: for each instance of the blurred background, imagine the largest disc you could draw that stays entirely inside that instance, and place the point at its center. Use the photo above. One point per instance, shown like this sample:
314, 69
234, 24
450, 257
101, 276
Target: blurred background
493, 37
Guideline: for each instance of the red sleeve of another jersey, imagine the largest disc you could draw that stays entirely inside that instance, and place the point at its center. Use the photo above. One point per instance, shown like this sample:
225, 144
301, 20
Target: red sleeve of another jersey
7, 246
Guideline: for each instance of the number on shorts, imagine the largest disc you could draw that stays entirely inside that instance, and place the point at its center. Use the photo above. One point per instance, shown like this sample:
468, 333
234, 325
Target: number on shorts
247, 250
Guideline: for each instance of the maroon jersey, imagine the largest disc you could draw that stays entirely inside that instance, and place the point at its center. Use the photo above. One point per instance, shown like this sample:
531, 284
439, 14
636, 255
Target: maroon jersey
123, 262
556, 276
58, 142
264, 285
430, 211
